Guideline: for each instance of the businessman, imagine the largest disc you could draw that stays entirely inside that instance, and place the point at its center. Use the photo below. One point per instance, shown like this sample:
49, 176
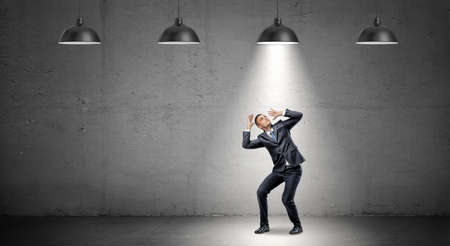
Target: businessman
286, 158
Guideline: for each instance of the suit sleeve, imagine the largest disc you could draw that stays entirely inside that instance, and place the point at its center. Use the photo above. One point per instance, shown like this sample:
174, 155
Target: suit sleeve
294, 118
250, 144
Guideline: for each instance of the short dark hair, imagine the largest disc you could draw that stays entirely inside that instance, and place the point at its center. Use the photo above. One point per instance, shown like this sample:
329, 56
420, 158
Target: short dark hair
256, 117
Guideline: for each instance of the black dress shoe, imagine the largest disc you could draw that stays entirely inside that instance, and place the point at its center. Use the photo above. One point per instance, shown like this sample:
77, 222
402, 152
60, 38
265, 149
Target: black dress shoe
296, 229
262, 229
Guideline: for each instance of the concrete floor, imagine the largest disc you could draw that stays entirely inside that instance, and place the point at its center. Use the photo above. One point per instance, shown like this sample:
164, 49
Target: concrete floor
229, 230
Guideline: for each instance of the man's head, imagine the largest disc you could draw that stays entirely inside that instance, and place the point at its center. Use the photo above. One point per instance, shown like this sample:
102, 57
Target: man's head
262, 121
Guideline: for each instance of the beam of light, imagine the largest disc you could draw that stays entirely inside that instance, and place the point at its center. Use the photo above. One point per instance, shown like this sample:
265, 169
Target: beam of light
275, 77
278, 78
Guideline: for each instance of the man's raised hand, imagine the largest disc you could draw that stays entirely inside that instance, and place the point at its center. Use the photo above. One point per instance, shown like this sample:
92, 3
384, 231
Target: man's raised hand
250, 121
275, 114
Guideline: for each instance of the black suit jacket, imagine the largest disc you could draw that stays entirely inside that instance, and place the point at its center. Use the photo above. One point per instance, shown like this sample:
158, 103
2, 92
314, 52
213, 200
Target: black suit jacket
284, 148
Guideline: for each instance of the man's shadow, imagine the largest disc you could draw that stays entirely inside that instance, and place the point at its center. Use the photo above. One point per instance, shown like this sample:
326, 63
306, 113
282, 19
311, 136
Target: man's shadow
279, 230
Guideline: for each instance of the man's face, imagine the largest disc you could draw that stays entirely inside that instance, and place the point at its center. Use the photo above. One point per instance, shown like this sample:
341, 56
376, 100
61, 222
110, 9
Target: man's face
262, 121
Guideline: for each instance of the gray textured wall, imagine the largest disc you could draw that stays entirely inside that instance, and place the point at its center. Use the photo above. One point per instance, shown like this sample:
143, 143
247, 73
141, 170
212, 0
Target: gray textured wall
135, 128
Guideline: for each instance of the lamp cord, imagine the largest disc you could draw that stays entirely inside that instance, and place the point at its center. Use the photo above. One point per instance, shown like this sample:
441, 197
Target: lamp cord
276, 8
179, 8
376, 8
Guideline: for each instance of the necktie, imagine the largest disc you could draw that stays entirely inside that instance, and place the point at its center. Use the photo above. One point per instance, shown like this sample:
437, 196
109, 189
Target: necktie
273, 135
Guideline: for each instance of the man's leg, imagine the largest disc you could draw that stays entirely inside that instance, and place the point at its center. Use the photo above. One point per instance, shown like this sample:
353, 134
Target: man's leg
292, 178
268, 184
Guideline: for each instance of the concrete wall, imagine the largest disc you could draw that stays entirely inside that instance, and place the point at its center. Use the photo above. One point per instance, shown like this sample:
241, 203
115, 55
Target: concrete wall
135, 128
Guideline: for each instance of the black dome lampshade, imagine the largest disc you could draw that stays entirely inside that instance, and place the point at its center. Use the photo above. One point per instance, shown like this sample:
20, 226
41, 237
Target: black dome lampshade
179, 33
377, 35
277, 33
79, 35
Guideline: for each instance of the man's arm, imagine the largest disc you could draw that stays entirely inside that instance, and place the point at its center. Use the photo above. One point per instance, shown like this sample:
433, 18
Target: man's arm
246, 143
250, 144
294, 118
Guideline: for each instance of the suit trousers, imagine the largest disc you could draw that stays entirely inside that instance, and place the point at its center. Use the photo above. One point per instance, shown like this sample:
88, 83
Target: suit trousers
291, 177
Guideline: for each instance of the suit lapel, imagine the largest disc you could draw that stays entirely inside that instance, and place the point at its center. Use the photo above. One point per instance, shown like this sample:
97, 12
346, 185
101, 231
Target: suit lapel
267, 138
264, 135
275, 132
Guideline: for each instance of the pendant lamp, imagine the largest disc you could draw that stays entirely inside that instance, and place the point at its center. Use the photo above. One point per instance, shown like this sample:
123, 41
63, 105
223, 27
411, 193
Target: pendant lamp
179, 33
377, 35
79, 34
277, 33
